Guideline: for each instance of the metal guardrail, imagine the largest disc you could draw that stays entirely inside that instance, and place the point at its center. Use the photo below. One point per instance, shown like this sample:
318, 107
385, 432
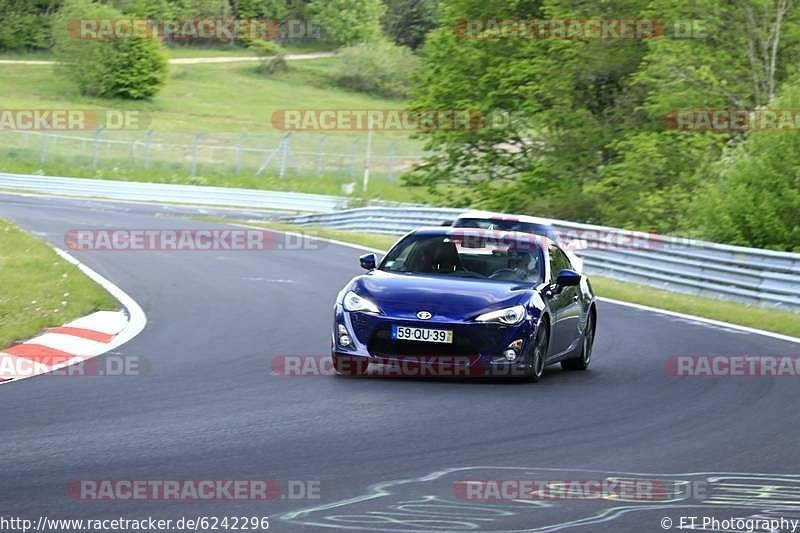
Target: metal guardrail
751, 275
678, 264
164, 192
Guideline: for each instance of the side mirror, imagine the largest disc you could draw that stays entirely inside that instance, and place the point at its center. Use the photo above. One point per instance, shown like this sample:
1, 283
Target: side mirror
567, 278
368, 261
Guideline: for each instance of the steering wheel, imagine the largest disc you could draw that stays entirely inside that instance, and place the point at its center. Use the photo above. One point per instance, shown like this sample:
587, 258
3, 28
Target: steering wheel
499, 274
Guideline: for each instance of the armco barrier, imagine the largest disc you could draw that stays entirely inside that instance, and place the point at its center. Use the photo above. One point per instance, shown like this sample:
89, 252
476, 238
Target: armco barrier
164, 192
751, 275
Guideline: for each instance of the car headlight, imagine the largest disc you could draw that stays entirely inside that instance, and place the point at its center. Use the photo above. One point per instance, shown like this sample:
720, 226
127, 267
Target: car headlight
354, 302
509, 315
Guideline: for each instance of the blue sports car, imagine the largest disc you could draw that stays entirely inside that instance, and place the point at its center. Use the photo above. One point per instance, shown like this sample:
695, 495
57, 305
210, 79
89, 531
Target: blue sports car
499, 303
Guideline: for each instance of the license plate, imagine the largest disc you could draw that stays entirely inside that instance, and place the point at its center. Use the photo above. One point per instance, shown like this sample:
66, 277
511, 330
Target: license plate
403, 333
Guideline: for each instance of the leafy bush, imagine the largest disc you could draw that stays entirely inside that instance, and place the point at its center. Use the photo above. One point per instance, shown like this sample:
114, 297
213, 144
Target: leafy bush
273, 56
381, 69
133, 68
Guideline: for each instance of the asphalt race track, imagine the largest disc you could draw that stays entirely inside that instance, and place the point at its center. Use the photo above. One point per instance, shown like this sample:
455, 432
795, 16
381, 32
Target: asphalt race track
386, 452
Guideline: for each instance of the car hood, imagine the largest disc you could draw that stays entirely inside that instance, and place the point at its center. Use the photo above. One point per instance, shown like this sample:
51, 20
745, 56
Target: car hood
446, 297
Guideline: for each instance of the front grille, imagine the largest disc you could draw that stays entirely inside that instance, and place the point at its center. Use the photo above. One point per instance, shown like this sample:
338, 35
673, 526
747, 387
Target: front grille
361, 326
382, 344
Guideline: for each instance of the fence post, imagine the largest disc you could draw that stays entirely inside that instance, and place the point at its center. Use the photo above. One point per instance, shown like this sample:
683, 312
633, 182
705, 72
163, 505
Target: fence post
268, 158
238, 156
43, 151
390, 164
319, 155
96, 142
195, 146
284, 154
353, 155
367, 159
147, 137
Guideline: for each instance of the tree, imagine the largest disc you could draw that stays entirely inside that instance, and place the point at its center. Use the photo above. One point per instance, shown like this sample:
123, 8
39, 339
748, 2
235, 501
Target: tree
408, 22
753, 195
26, 24
553, 108
270, 9
348, 22
581, 131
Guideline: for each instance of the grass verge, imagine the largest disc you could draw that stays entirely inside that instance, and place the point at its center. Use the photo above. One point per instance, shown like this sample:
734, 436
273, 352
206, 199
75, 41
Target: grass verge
330, 184
40, 289
197, 99
369, 240
207, 97
784, 322
743, 314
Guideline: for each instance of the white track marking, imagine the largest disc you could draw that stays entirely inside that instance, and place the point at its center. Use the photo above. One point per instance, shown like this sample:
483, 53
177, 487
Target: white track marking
137, 320
108, 322
707, 321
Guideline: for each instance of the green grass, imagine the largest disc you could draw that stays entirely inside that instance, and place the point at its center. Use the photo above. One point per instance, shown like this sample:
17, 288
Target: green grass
41, 55
202, 98
40, 289
226, 104
784, 322
211, 51
369, 240
191, 51
327, 184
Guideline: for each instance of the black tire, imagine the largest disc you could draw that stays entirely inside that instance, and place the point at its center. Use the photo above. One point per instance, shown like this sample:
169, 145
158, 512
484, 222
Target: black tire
539, 354
587, 344
350, 366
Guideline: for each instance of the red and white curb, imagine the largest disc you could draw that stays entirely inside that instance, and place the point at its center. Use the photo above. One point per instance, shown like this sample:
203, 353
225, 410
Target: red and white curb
77, 341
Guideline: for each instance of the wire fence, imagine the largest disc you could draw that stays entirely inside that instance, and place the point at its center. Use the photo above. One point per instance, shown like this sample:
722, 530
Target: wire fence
276, 155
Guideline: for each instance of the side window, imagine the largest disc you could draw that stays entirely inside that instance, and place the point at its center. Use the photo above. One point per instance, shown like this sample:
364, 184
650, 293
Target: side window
558, 261
564, 259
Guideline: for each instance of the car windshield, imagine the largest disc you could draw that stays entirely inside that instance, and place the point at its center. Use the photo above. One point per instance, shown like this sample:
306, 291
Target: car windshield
501, 257
506, 224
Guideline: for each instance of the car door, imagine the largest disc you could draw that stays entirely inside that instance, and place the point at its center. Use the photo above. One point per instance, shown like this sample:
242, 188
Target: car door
570, 305
565, 305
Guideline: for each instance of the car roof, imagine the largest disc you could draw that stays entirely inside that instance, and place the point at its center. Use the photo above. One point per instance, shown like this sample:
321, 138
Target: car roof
489, 215
434, 231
